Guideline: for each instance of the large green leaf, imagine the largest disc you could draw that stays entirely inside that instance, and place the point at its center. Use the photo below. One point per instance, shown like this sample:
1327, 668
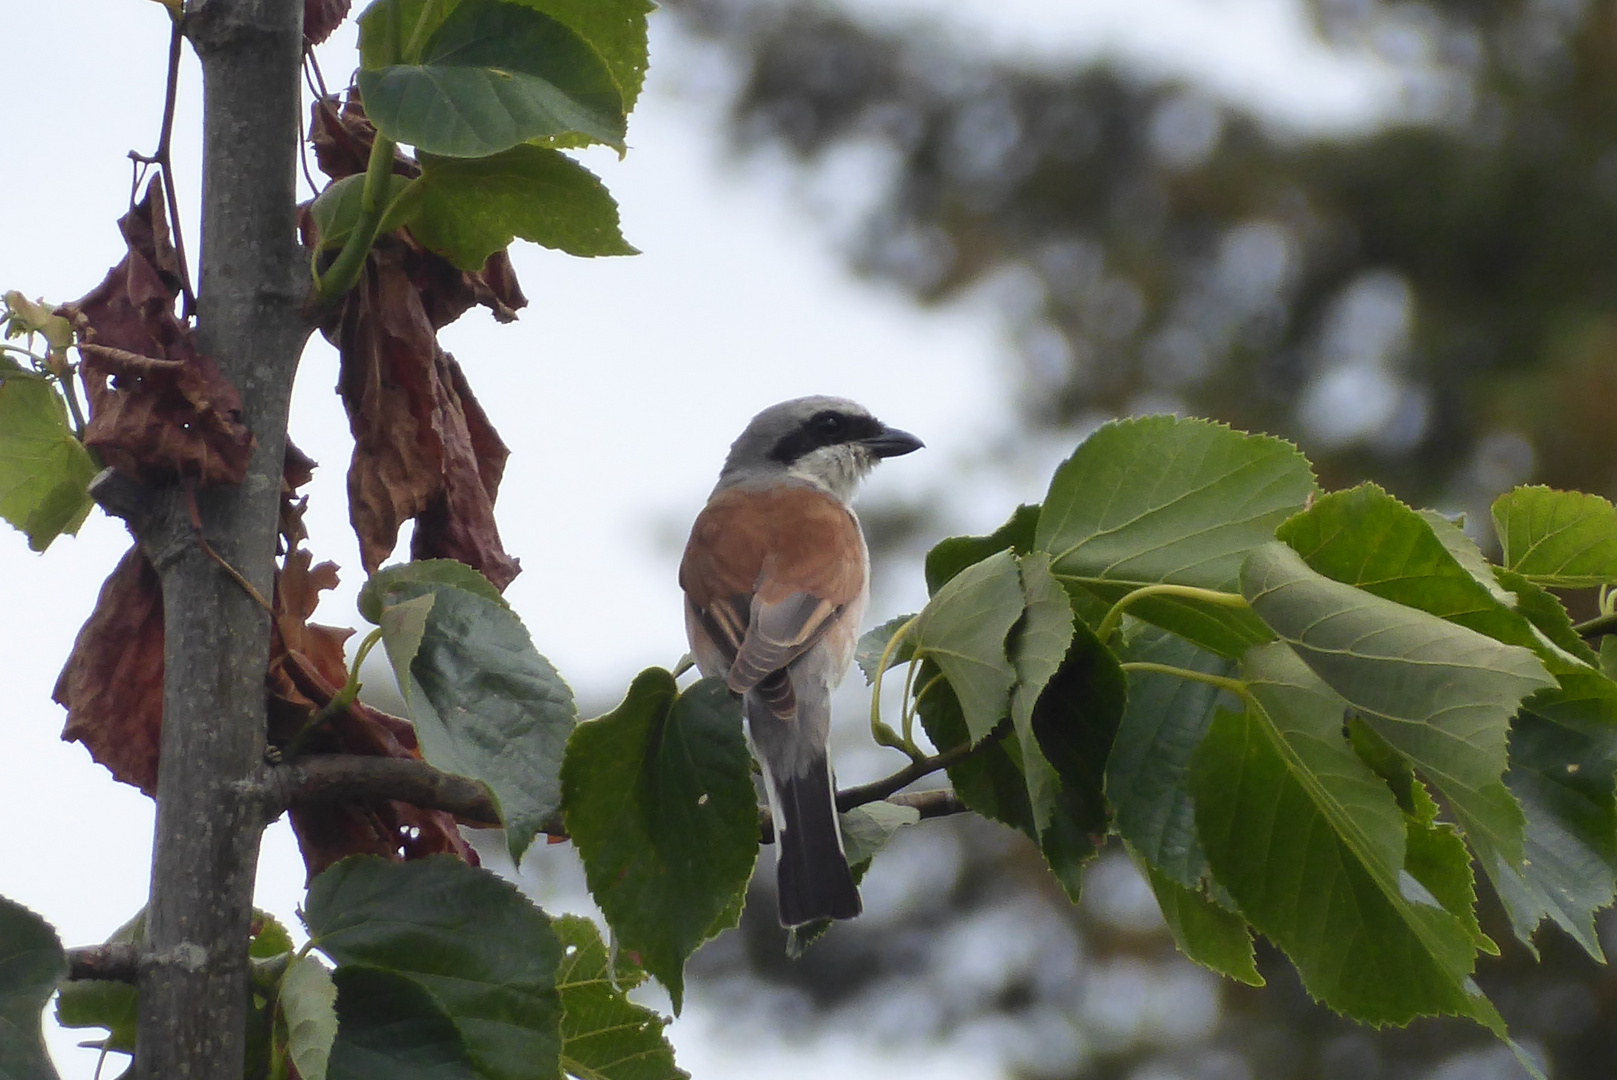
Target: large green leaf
1311, 845
45, 472
1441, 694
32, 964
390, 1028
1548, 616
308, 1001
1563, 752
466, 209
401, 581
483, 952
485, 704
963, 630
491, 76
1366, 538
1215, 938
617, 30
605, 1036
661, 805
1039, 644
1147, 774
1072, 722
1562, 539
1162, 500
950, 556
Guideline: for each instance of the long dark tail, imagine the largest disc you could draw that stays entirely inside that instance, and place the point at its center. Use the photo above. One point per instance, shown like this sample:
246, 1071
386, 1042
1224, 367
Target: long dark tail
812, 873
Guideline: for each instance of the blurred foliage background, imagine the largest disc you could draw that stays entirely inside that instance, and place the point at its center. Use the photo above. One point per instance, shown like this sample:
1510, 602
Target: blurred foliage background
1431, 304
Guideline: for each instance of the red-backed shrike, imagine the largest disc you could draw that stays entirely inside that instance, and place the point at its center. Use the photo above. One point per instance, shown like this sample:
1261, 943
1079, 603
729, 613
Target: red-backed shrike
776, 576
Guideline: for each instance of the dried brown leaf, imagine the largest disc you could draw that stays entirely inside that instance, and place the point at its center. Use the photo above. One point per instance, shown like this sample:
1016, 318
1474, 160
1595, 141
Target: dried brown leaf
158, 408
423, 449
112, 684
321, 17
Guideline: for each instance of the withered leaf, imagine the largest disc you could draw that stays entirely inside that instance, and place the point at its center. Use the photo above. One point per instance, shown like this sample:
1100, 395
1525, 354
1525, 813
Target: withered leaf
321, 17
422, 447
112, 685
158, 408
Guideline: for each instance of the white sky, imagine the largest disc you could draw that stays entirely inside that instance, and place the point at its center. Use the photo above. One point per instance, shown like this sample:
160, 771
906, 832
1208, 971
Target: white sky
618, 390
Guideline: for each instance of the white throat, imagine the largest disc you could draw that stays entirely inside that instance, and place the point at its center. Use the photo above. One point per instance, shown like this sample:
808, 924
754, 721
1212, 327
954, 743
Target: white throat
837, 469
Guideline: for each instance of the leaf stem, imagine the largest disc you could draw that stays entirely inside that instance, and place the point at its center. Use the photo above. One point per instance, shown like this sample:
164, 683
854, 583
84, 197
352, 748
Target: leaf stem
1114, 617
345, 269
1600, 624
162, 158
1234, 686
341, 701
884, 735
73, 402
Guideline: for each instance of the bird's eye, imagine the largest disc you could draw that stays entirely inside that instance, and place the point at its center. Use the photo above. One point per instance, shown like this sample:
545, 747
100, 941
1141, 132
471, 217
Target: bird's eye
828, 424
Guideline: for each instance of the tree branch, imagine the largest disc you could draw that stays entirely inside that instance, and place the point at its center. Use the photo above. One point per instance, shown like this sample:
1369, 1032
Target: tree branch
116, 961
322, 778
193, 972
877, 790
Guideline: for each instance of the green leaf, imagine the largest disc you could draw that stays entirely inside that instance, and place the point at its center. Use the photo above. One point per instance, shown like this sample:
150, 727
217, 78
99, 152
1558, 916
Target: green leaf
1162, 500
1560, 539
403, 625
605, 1036
308, 1002
1366, 538
661, 806
491, 76
99, 1003
269, 936
45, 472
338, 209
963, 630
1216, 939
1075, 723
485, 704
402, 581
948, 557
869, 828
1563, 753
868, 653
1147, 774
469, 208
483, 952
1039, 645
1368, 941
1547, 615
1441, 694
32, 964
617, 30
390, 1028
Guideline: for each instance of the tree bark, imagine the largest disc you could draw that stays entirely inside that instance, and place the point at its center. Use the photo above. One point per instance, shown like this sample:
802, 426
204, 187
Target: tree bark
193, 971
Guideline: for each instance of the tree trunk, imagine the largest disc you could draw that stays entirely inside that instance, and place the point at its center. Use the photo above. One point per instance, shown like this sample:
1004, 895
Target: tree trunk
193, 977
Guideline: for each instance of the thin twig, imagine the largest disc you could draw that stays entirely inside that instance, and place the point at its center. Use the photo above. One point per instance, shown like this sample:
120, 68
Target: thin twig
877, 790
207, 549
162, 159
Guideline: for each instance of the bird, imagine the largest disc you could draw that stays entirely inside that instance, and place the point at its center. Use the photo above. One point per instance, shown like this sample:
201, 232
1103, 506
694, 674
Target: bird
776, 577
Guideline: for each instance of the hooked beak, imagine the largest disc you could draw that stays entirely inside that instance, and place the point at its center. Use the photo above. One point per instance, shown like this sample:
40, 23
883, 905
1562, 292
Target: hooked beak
892, 443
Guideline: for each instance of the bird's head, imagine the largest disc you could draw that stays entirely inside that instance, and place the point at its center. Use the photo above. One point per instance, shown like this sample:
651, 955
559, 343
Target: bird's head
830, 442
